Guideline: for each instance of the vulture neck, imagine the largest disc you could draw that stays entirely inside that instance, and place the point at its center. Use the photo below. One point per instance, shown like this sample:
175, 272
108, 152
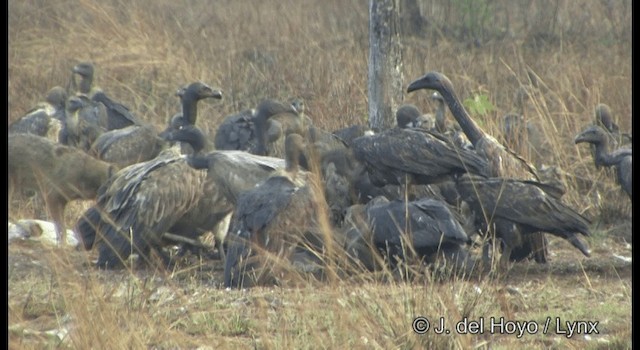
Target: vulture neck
602, 156
85, 84
190, 109
470, 128
260, 122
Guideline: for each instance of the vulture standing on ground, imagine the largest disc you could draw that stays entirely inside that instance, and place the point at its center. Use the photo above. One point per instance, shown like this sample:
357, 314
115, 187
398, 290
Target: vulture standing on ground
503, 163
620, 159
275, 219
118, 115
140, 142
47, 119
182, 195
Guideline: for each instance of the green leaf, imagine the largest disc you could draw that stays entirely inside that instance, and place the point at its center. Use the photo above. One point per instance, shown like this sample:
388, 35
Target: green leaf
479, 104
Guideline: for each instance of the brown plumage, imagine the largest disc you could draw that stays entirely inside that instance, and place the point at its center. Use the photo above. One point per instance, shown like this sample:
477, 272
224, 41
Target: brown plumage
86, 121
60, 173
503, 162
276, 219
172, 193
273, 122
141, 142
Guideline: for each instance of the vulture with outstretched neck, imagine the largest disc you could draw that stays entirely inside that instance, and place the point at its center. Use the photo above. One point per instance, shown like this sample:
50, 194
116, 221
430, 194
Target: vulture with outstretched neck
503, 162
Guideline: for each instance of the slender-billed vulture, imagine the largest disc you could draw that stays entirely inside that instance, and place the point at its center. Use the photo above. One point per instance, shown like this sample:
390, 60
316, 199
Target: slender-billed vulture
273, 122
272, 222
86, 121
503, 162
530, 205
174, 193
47, 119
620, 159
141, 142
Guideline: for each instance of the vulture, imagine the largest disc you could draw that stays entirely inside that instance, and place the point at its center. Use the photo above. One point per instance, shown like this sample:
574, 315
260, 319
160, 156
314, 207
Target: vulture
502, 161
141, 142
274, 219
614, 138
236, 132
620, 159
47, 119
118, 115
424, 228
350, 133
413, 156
85, 71
532, 206
59, 173
273, 121
407, 116
171, 193
86, 121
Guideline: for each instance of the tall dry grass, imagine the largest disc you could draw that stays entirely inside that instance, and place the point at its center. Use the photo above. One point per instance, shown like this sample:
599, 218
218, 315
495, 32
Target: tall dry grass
580, 52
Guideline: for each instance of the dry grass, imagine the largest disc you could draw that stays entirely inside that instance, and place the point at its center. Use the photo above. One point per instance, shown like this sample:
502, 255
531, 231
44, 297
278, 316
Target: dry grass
580, 52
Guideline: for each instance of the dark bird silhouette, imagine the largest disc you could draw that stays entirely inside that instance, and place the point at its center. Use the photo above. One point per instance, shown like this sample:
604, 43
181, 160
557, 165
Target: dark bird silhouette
141, 142
527, 204
119, 116
190, 96
236, 132
407, 116
413, 156
86, 121
604, 118
502, 161
47, 119
620, 159
350, 133
273, 121
385, 227
614, 138
139, 204
58, 172
276, 218
85, 70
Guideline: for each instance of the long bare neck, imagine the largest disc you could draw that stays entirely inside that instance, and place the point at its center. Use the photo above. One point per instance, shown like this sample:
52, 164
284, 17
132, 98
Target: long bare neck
468, 126
190, 109
85, 84
601, 155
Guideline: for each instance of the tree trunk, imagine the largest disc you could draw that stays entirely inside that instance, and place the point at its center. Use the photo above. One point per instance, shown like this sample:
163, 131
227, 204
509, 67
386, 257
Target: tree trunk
385, 64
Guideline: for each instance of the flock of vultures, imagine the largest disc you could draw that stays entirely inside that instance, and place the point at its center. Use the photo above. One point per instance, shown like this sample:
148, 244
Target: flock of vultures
283, 195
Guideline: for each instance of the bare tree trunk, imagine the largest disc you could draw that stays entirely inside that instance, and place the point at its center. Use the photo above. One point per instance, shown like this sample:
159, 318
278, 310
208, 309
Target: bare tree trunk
385, 63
